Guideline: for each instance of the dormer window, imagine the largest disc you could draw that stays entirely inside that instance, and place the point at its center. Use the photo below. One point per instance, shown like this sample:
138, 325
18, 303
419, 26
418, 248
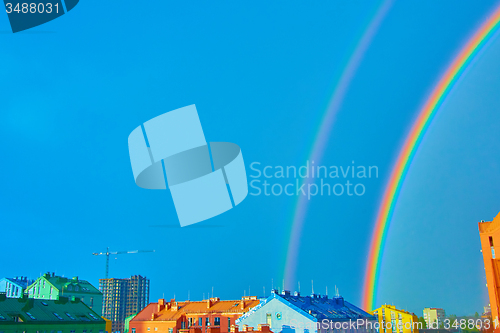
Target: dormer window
70, 287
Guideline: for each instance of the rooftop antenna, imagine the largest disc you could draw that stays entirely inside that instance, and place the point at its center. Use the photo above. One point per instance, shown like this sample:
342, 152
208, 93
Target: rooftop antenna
283, 284
203, 295
272, 283
264, 287
312, 286
189, 295
299, 286
107, 253
326, 290
212, 291
249, 293
244, 292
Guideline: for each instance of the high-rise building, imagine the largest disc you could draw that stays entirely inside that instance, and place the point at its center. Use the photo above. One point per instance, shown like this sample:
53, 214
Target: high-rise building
122, 298
401, 321
50, 286
489, 233
434, 317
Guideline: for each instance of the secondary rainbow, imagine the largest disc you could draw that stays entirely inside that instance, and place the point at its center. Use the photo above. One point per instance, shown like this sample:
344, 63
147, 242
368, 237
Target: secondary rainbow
321, 139
461, 62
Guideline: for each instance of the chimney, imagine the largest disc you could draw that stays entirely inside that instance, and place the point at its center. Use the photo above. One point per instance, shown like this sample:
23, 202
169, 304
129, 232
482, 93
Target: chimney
244, 328
264, 328
161, 304
285, 293
234, 329
175, 306
209, 303
242, 304
339, 300
296, 294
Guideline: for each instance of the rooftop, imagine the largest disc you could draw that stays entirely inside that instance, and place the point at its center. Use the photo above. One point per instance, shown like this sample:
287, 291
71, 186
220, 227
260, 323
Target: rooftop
29, 309
173, 310
320, 306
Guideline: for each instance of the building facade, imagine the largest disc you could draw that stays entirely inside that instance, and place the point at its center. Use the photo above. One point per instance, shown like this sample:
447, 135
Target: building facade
392, 320
14, 287
51, 287
123, 298
434, 317
284, 312
35, 315
207, 316
489, 233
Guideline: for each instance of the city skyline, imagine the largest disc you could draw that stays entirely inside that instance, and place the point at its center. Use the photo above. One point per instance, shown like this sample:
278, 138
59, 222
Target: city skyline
261, 76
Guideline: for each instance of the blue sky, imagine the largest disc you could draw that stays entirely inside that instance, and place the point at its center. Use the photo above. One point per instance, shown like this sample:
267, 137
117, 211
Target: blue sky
261, 75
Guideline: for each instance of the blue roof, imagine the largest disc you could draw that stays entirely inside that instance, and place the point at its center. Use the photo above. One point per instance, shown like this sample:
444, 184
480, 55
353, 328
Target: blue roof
322, 307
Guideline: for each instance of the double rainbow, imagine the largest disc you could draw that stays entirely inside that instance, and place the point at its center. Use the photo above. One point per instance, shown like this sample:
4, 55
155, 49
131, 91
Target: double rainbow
461, 62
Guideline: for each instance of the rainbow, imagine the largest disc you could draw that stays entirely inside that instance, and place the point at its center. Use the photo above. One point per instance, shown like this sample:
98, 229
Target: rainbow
321, 139
400, 169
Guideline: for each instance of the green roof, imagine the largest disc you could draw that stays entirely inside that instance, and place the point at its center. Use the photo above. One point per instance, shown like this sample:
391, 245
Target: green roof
60, 282
37, 310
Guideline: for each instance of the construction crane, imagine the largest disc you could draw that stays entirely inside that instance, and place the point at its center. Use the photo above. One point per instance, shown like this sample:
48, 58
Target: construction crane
107, 253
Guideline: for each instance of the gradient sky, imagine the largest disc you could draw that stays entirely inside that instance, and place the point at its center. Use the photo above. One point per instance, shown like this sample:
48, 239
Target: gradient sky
261, 75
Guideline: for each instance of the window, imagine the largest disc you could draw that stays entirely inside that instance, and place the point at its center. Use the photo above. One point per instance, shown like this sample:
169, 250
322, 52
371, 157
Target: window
76, 288
2, 317
70, 316
93, 317
492, 248
170, 330
228, 324
268, 318
200, 321
57, 316
133, 330
217, 321
70, 287
31, 316
207, 321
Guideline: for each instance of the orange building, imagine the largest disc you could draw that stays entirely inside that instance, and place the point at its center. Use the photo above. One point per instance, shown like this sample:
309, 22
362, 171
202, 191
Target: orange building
489, 232
207, 316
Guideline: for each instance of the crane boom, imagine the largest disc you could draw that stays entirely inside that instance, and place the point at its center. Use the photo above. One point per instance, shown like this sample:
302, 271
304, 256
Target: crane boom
107, 253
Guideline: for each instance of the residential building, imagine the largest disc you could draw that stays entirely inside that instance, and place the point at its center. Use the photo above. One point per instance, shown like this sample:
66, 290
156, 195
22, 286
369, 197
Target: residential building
14, 287
489, 233
392, 320
307, 314
122, 298
51, 287
35, 315
208, 316
434, 317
